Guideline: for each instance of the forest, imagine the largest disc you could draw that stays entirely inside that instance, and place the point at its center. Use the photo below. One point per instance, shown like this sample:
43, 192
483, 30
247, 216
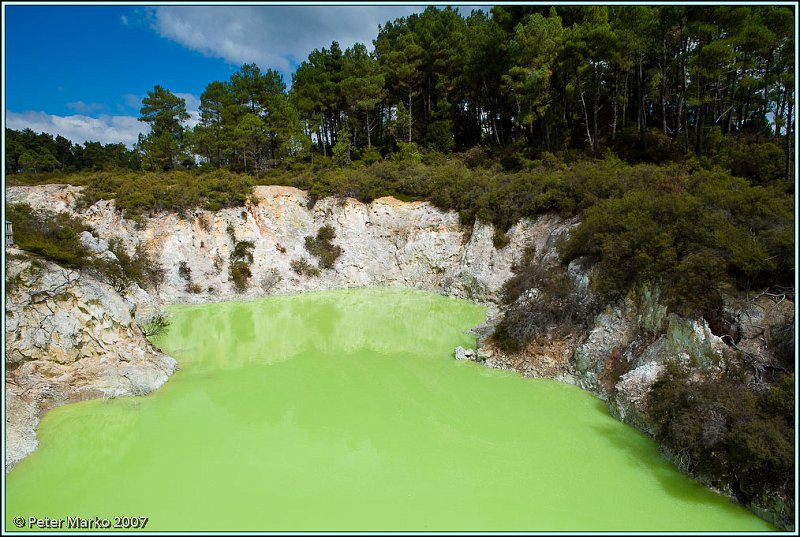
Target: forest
648, 83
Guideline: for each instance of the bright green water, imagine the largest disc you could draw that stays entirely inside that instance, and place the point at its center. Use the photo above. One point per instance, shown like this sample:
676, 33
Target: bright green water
345, 410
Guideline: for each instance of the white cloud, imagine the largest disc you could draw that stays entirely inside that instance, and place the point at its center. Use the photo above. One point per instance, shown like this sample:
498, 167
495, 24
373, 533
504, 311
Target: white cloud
124, 20
271, 36
192, 107
105, 129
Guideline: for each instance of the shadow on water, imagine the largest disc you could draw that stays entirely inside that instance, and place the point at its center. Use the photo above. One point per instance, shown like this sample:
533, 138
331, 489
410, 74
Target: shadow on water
643, 452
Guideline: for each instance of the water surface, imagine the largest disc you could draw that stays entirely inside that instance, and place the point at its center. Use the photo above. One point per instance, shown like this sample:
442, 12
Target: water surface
345, 410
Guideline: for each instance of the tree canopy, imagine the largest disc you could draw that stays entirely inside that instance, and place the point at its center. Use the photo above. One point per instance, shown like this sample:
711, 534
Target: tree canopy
650, 83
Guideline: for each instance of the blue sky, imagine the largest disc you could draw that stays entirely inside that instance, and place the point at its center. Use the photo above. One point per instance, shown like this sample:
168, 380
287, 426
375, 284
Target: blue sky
81, 71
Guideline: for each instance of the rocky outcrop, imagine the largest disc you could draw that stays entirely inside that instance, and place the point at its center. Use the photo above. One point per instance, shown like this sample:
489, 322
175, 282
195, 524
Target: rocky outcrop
619, 355
69, 337
386, 242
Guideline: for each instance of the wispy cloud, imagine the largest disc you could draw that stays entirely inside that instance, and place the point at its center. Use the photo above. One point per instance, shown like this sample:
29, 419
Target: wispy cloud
79, 128
85, 108
276, 37
134, 101
192, 107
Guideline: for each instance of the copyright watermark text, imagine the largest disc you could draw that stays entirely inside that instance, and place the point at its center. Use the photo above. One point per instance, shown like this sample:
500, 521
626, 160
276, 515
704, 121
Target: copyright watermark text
79, 522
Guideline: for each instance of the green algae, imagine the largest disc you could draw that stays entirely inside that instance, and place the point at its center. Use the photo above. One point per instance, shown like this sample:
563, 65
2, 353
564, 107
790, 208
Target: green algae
345, 410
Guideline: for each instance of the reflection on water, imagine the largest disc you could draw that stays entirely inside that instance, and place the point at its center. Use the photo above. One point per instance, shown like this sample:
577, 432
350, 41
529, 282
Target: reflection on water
346, 411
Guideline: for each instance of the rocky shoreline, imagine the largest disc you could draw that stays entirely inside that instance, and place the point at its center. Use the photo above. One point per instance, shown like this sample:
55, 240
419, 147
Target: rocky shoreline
72, 337
69, 337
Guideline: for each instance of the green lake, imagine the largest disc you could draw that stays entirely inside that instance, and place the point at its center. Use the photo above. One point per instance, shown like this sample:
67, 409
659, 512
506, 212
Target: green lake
345, 410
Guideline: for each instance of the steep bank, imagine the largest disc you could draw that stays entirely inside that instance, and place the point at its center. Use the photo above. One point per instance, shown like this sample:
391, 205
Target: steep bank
617, 354
69, 337
386, 242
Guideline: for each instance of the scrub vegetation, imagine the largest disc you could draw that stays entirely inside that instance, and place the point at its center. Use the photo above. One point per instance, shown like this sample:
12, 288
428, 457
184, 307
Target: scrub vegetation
56, 237
241, 259
666, 130
302, 267
734, 438
322, 248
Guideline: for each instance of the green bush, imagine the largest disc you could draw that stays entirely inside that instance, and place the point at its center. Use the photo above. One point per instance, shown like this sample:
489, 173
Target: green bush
140, 268
721, 430
155, 326
760, 162
177, 191
302, 267
241, 258
57, 237
322, 248
694, 235
54, 236
240, 275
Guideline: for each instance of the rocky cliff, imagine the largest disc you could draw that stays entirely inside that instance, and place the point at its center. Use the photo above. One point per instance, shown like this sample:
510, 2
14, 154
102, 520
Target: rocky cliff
386, 242
69, 337
617, 354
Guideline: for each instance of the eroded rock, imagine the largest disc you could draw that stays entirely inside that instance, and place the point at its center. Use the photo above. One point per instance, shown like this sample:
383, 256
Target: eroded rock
70, 337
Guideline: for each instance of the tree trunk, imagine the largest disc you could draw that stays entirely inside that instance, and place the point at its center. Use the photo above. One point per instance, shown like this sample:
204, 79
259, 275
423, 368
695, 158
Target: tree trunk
789, 136
664, 84
747, 104
732, 104
765, 110
616, 94
685, 127
699, 122
367, 127
595, 99
625, 101
781, 107
586, 120
546, 131
410, 117
639, 96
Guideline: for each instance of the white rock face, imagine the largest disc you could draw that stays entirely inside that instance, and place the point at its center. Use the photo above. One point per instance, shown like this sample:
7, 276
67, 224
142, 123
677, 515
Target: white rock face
634, 385
386, 242
68, 337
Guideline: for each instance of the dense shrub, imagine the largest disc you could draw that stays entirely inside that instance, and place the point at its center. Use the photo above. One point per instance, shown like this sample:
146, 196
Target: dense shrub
693, 234
140, 268
53, 236
184, 271
322, 248
178, 191
716, 427
240, 260
760, 162
541, 300
57, 237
